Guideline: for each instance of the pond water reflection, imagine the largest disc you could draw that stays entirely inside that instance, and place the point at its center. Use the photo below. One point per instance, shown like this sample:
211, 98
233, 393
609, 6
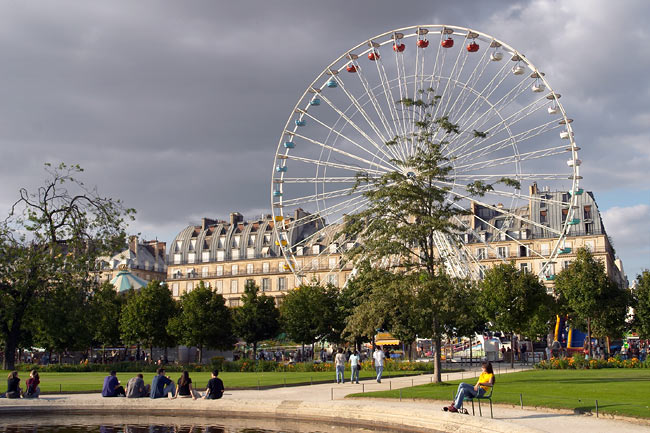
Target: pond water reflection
167, 424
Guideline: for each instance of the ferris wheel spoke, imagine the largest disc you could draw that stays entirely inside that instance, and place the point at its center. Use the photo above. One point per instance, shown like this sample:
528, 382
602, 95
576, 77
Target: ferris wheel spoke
511, 159
336, 132
388, 167
358, 206
518, 138
376, 104
444, 95
332, 179
516, 195
495, 110
502, 211
360, 108
330, 164
343, 192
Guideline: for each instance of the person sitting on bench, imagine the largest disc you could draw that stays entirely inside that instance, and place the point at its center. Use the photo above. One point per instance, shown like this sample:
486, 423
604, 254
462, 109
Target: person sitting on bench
485, 381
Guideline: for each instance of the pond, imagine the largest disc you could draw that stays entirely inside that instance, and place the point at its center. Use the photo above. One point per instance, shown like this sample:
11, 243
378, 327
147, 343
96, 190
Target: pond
167, 424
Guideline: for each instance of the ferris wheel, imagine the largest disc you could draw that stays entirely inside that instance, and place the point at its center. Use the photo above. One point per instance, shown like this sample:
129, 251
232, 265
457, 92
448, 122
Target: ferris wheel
510, 124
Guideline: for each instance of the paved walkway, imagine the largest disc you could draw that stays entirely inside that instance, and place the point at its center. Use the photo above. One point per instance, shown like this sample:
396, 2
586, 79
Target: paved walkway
327, 402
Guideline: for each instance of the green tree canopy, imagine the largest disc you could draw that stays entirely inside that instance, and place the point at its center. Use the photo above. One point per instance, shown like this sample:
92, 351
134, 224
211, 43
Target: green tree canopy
590, 297
303, 312
257, 318
146, 315
203, 321
49, 243
642, 305
513, 301
412, 209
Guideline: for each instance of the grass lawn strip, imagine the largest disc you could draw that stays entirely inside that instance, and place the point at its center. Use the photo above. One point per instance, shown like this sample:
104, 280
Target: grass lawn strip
618, 391
93, 381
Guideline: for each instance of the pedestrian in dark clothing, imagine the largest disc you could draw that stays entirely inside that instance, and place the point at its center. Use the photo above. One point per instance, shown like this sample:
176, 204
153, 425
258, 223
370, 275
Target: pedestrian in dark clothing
112, 387
161, 385
13, 386
215, 388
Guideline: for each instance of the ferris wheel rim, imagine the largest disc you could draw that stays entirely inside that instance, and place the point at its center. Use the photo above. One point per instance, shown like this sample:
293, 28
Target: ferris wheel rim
369, 44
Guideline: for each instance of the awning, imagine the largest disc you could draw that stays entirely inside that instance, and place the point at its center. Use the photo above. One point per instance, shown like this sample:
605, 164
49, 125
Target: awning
392, 342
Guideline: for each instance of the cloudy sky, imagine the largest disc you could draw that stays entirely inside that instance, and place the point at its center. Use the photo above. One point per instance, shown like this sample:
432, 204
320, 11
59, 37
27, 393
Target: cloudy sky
177, 107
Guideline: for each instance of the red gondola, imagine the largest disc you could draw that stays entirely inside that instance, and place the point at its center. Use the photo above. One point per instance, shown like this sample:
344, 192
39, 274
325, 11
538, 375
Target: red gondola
351, 68
473, 47
399, 47
422, 43
447, 43
374, 55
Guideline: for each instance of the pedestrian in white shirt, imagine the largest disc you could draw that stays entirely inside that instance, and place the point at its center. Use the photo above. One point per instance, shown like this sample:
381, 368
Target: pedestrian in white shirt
379, 357
354, 366
339, 361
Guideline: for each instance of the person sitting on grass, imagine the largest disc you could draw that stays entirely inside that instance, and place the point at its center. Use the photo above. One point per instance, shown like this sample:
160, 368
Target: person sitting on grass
161, 385
33, 390
185, 389
485, 381
112, 387
215, 388
13, 388
136, 388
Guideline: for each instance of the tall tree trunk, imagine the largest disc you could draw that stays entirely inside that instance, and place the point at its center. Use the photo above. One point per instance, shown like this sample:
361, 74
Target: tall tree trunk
470, 350
313, 352
589, 337
9, 361
437, 373
512, 349
150, 353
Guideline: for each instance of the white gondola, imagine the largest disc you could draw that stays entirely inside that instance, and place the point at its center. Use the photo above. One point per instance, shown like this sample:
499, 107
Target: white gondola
538, 87
553, 109
496, 56
565, 135
572, 163
518, 70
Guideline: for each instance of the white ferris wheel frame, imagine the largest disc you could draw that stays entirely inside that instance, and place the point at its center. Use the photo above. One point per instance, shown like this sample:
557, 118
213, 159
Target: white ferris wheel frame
460, 263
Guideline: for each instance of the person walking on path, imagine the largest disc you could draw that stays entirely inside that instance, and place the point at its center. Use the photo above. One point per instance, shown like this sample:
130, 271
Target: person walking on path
215, 388
136, 388
354, 366
33, 390
379, 357
485, 381
112, 387
161, 385
339, 361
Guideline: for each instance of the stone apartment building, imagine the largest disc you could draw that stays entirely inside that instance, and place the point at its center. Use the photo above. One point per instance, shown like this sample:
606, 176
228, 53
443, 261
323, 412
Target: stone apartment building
144, 259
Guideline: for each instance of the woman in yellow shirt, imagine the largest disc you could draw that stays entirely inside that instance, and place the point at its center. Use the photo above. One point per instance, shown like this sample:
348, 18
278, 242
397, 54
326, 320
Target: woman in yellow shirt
485, 381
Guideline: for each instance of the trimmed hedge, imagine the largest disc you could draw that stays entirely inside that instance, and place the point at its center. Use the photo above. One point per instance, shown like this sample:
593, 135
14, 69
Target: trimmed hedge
242, 365
578, 362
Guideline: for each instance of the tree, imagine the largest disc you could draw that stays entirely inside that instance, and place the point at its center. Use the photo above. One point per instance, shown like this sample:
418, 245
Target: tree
203, 321
467, 314
511, 299
410, 209
105, 306
588, 295
146, 315
258, 318
50, 241
303, 313
642, 305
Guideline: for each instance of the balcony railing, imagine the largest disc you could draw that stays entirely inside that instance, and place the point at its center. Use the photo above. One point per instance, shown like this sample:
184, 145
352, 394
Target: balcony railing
256, 272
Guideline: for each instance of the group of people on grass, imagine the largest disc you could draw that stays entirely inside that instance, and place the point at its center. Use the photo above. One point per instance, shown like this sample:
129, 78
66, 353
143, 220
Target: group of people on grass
162, 386
14, 390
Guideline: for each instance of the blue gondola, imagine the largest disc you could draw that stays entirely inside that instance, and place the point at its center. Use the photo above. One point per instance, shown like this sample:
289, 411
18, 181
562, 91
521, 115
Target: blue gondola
332, 83
277, 193
281, 169
574, 221
579, 191
301, 122
289, 145
314, 101
565, 250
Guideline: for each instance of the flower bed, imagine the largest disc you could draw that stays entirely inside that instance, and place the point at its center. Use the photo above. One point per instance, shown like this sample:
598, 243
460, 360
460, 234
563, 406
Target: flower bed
579, 362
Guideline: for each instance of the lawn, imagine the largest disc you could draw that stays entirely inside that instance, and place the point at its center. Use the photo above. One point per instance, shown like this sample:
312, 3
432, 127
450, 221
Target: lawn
92, 382
618, 391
